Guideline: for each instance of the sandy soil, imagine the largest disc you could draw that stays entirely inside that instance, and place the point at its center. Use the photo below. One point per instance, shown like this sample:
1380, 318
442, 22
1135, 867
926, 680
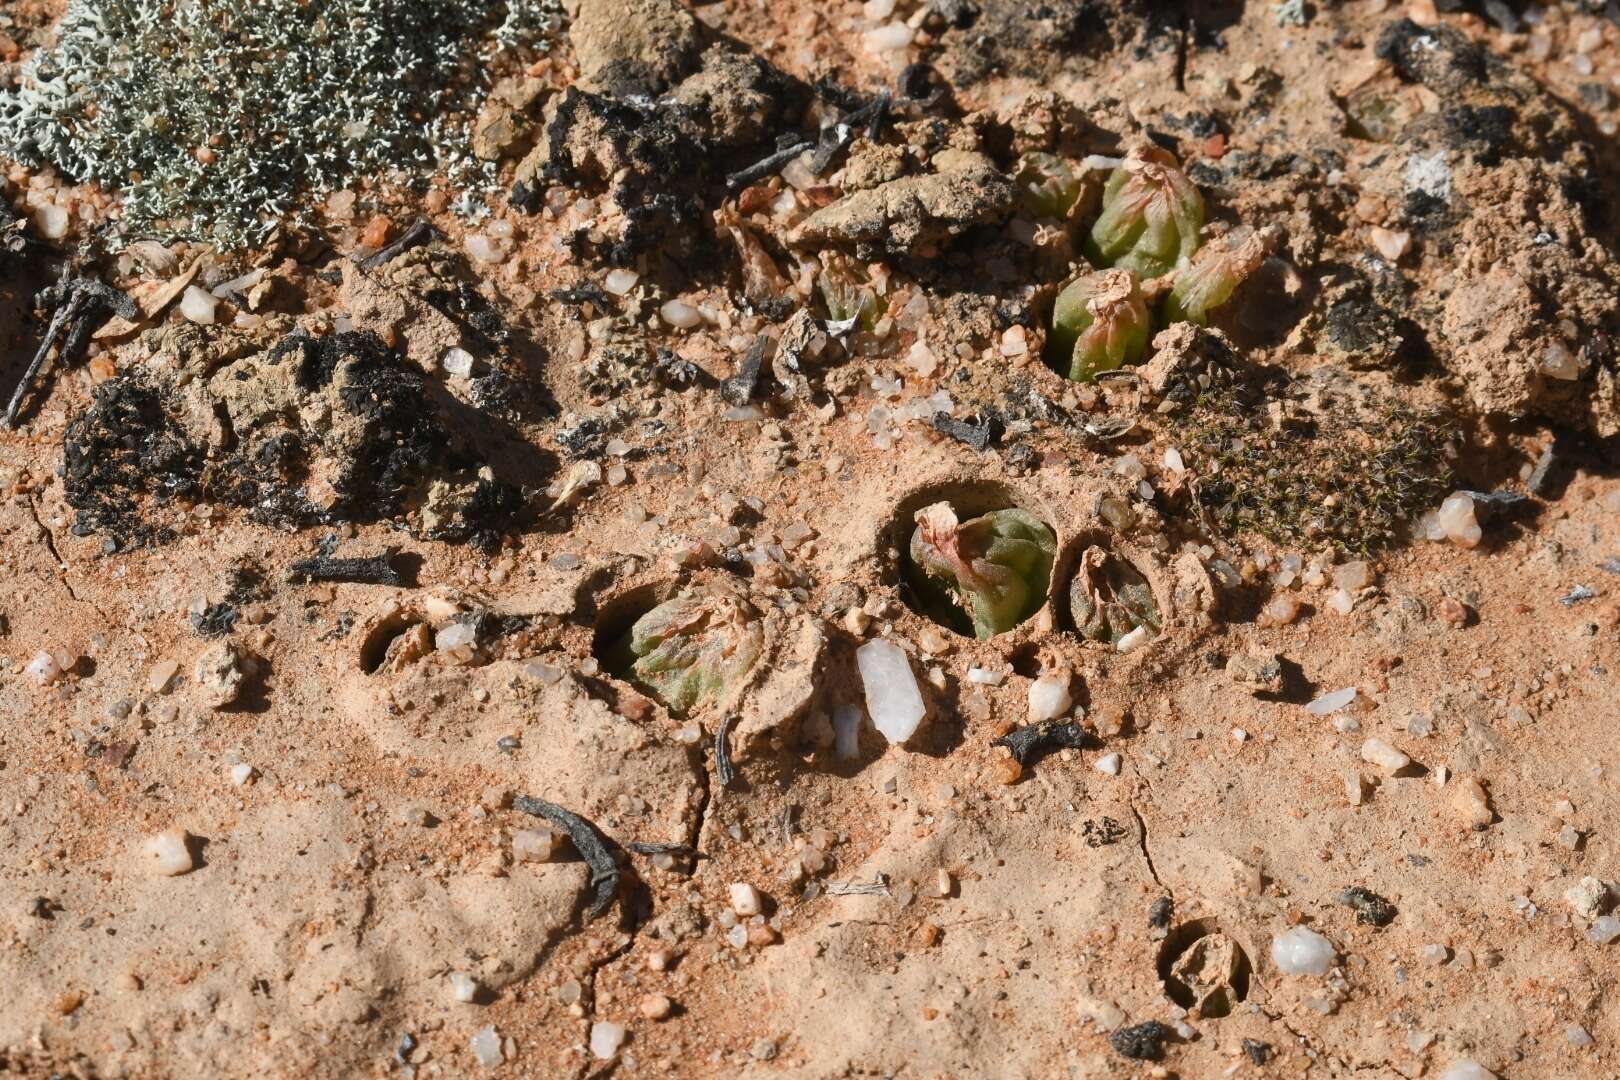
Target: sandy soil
346, 790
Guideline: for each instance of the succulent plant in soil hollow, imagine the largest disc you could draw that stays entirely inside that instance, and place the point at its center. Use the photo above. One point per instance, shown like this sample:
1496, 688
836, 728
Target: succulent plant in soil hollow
1100, 322
1109, 599
1047, 185
1214, 275
1151, 216
693, 649
986, 574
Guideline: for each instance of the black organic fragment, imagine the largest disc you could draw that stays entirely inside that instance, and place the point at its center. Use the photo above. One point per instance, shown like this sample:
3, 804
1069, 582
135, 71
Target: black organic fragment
1102, 834
1141, 1042
740, 388
216, 620
768, 164
371, 570
724, 771
836, 136
1160, 913
919, 83
1259, 1052
588, 841
1371, 909
1544, 479
590, 292
1030, 744
415, 236
675, 370
79, 306
980, 433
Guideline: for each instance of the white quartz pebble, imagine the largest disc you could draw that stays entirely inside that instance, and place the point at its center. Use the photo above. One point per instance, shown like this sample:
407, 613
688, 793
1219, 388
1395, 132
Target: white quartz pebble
1457, 522
1049, 697
1333, 702
458, 362
620, 281
1302, 951
241, 773
51, 221
463, 987
1109, 763
168, 854
199, 306
606, 1038
1467, 1069
1134, 639
486, 1047
680, 314
745, 900
43, 668
892, 696
1380, 753
888, 38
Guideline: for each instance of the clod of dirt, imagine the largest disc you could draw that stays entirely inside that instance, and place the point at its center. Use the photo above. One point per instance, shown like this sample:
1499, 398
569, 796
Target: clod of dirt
633, 46
914, 214
1259, 673
657, 162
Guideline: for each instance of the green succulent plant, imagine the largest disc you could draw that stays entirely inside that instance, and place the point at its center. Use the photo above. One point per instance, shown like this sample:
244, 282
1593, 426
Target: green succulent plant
1110, 598
988, 573
1100, 322
1048, 186
849, 298
1214, 275
693, 649
1151, 216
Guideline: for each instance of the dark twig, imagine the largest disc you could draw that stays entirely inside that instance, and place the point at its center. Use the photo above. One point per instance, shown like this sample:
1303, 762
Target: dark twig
372, 570
415, 236
768, 165
80, 306
641, 847
588, 841
723, 769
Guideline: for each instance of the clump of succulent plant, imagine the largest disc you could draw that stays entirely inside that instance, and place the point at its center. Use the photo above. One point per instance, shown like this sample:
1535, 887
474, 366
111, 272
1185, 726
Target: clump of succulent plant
1214, 275
1109, 598
1151, 215
1100, 322
850, 299
1048, 186
989, 572
693, 649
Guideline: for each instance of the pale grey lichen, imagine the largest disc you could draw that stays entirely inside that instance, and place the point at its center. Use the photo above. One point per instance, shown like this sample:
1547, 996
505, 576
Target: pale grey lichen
1290, 12
219, 120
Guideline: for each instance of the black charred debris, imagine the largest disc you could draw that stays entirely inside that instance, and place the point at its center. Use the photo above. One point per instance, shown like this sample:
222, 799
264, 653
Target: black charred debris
79, 307
1370, 908
368, 570
741, 388
588, 840
1030, 744
389, 443
1141, 1042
